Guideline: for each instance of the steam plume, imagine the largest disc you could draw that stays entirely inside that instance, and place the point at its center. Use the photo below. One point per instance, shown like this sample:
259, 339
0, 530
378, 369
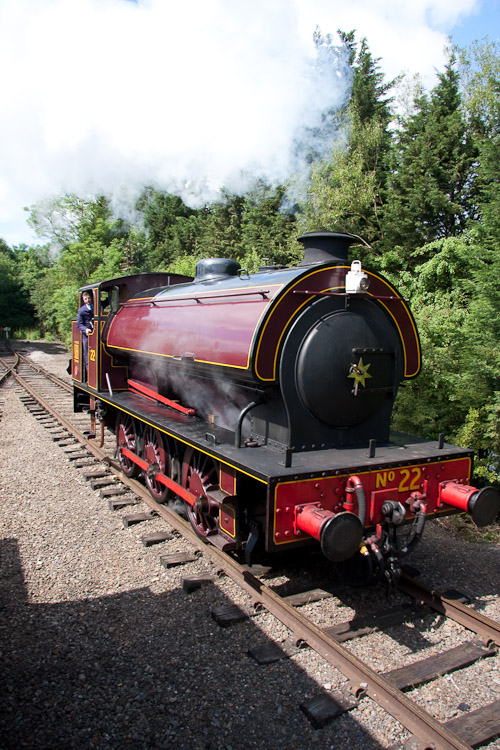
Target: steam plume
184, 96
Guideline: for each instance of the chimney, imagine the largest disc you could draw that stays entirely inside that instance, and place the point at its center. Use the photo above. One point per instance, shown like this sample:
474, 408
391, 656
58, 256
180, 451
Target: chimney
325, 247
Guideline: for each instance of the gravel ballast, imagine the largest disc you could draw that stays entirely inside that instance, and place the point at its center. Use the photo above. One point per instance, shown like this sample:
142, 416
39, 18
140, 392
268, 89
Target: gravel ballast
101, 647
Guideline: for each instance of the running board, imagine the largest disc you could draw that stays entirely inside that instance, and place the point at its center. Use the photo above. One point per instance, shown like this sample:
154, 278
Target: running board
140, 389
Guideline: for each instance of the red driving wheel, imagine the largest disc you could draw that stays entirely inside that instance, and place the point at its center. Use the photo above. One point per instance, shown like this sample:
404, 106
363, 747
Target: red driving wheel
200, 477
154, 451
126, 437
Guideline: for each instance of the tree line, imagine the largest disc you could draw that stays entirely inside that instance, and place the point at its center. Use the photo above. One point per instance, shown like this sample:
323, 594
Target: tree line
414, 174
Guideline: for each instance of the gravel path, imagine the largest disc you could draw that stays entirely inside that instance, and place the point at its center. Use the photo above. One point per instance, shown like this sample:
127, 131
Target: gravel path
100, 646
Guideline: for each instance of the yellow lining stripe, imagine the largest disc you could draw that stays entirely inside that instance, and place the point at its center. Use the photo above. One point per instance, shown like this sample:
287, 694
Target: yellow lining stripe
358, 473
331, 289
246, 367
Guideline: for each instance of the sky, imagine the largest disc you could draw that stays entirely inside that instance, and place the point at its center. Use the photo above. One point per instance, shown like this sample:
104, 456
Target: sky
106, 96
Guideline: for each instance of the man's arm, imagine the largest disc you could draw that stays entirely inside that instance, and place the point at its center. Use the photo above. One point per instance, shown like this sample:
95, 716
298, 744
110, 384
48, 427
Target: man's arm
82, 324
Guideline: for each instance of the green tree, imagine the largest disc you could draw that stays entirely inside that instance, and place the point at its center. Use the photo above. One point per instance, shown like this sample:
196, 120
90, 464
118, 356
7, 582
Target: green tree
345, 195
221, 229
456, 310
15, 308
430, 192
268, 233
33, 266
441, 290
347, 188
67, 218
484, 109
479, 67
88, 244
481, 86
171, 228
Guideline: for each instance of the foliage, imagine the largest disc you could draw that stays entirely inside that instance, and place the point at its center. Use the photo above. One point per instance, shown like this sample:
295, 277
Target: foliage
15, 309
346, 191
171, 228
437, 400
34, 265
430, 192
455, 305
479, 68
418, 185
250, 228
267, 232
85, 244
67, 218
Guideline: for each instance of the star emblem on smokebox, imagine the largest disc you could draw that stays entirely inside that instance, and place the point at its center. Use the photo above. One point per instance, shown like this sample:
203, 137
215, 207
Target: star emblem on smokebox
359, 373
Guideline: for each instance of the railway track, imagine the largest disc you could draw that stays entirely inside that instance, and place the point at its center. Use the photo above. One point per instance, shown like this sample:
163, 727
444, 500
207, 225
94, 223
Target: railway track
46, 395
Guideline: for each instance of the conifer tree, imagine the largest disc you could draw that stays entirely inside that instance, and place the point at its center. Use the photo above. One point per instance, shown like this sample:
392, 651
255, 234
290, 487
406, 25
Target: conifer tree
429, 193
171, 228
346, 192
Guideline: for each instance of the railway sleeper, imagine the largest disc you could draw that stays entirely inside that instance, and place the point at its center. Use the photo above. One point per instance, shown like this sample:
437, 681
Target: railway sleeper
269, 653
413, 675
155, 537
112, 491
475, 727
133, 518
105, 481
178, 558
193, 583
95, 474
117, 503
76, 456
231, 614
343, 631
323, 708
82, 463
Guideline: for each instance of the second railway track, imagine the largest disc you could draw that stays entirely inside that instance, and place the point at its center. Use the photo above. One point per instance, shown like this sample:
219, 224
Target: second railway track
363, 679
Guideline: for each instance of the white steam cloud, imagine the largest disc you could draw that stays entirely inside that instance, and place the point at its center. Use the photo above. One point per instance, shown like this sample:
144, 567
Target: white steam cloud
102, 95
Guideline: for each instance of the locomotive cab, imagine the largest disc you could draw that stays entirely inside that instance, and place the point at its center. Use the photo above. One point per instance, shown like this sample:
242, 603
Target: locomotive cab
103, 372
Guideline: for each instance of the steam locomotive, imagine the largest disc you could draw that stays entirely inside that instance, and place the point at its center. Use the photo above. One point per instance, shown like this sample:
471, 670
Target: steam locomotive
259, 405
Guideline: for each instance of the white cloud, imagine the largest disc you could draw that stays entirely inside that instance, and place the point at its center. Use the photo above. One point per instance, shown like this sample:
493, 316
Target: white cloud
102, 93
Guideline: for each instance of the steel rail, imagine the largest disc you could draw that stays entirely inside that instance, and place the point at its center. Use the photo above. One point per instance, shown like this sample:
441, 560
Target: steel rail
7, 366
5, 375
37, 368
91, 447
363, 679
41, 370
455, 610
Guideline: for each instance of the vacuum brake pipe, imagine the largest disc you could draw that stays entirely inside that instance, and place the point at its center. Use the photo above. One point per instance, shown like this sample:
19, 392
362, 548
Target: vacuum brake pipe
354, 484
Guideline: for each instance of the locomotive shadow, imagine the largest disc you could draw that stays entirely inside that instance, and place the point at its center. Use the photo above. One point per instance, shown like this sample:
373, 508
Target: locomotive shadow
446, 561
136, 670
361, 605
440, 560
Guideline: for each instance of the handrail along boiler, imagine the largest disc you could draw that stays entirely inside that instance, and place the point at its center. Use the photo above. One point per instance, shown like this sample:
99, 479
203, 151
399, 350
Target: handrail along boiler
259, 405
